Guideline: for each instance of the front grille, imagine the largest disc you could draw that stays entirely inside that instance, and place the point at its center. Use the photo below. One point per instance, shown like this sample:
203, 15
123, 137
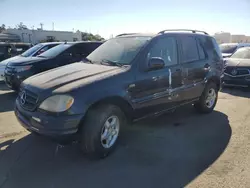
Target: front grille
28, 100
237, 71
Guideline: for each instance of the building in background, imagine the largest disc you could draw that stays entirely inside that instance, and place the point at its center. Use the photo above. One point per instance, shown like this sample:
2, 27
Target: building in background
222, 37
238, 38
37, 36
226, 37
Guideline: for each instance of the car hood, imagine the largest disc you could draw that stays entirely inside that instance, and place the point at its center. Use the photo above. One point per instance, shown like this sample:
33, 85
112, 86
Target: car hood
25, 61
70, 77
6, 61
224, 55
237, 62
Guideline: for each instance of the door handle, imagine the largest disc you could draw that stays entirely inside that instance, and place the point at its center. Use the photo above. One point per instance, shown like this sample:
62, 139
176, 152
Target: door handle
178, 70
207, 67
155, 78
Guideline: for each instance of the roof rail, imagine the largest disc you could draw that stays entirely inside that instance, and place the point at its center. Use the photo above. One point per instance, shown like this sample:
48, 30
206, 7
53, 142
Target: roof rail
125, 34
193, 31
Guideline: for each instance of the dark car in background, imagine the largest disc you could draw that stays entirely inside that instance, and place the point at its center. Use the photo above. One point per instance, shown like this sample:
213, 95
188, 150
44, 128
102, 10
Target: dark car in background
27, 52
237, 69
227, 49
129, 77
69, 52
12, 49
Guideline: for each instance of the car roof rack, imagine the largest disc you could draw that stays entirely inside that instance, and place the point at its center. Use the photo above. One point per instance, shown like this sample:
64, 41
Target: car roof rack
193, 31
125, 34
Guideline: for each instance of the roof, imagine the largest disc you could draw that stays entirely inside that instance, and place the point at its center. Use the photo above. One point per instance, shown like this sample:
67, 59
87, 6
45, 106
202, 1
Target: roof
136, 35
164, 32
236, 43
82, 42
46, 43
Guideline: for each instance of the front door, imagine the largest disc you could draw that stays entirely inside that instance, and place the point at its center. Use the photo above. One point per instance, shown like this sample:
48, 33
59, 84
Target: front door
152, 91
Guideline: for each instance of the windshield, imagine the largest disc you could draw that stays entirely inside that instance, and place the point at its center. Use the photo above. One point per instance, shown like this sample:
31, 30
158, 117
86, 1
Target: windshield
118, 50
228, 48
242, 53
55, 51
32, 50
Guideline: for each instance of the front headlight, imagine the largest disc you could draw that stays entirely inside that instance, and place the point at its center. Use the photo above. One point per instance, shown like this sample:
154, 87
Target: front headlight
23, 68
57, 103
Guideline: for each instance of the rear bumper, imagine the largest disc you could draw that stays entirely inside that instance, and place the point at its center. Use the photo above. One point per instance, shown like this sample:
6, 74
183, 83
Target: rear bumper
56, 127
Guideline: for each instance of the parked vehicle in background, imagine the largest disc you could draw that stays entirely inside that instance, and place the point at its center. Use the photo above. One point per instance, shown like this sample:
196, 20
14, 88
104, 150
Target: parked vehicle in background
227, 49
18, 70
237, 69
12, 49
29, 52
129, 77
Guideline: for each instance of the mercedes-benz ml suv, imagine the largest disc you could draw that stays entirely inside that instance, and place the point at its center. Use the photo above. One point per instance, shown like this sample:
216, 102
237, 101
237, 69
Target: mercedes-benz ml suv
129, 77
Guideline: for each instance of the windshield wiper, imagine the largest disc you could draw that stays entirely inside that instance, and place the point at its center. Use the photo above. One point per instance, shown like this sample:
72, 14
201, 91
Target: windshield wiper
88, 60
112, 63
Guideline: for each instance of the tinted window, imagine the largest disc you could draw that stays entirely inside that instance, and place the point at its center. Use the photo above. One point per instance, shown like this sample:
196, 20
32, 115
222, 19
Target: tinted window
166, 48
216, 48
189, 50
201, 49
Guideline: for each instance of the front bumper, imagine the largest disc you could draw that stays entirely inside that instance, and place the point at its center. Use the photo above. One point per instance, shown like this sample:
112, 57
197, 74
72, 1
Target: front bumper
57, 127
236, 81
13, 81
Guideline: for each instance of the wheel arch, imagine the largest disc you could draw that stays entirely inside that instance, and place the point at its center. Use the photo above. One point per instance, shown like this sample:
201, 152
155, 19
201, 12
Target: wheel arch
215, 80
122, 103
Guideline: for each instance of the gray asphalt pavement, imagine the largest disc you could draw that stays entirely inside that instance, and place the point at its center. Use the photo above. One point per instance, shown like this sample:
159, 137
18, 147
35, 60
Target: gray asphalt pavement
182, 149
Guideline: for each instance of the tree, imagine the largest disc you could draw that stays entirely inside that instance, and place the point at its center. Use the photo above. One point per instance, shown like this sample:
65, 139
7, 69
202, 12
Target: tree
21, 26
90, 37
2, 28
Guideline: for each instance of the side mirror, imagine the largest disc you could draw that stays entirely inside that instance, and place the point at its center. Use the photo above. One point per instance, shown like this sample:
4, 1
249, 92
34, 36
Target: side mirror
155, 63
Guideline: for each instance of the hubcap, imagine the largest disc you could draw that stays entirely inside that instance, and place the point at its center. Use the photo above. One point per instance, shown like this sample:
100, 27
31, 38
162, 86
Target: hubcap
211, 97
110, 131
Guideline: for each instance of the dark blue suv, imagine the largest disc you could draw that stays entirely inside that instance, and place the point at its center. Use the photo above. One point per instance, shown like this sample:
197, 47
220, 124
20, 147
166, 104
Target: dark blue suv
129, 77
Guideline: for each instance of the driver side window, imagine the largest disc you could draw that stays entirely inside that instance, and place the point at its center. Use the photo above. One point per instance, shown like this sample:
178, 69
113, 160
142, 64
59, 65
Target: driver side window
165, 48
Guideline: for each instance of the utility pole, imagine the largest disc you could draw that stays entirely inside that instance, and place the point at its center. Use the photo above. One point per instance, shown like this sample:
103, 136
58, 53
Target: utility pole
41, 24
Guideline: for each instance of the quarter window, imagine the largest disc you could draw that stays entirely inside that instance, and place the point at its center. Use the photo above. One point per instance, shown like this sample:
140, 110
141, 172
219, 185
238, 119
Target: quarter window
189, 50
165, 48
201, 50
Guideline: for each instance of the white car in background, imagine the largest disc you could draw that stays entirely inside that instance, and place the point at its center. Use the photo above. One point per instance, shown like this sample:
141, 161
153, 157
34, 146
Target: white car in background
32, 52
227, 49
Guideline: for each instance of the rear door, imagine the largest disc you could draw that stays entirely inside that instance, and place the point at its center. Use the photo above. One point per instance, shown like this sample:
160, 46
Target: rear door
152, 90
195, 63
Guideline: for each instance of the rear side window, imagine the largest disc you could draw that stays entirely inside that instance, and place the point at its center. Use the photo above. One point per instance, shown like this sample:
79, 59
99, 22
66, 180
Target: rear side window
201, 50
217, 50
189, 49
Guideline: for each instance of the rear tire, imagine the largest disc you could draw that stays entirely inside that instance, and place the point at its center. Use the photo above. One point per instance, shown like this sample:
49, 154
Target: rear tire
100, 131
208, 99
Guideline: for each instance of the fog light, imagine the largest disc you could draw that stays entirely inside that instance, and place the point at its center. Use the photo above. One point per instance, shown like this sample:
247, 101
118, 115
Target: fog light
36, 119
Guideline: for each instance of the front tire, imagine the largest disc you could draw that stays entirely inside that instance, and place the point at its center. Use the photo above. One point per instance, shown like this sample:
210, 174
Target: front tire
208, 99
100, 131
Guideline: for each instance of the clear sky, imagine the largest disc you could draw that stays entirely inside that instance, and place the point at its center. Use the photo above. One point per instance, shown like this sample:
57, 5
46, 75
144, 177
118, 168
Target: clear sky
107, 17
